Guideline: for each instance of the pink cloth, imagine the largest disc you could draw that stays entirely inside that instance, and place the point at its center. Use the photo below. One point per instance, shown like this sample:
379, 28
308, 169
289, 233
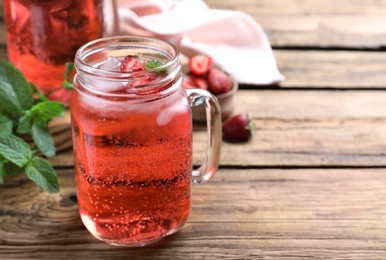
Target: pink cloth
233, 39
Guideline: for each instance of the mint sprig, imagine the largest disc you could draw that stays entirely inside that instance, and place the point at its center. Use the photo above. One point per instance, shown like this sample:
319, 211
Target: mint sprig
15, 93
153, 64
26, 111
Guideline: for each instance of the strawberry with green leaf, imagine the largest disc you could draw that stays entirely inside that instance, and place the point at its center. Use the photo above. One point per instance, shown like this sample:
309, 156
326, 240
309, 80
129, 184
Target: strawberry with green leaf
238, 128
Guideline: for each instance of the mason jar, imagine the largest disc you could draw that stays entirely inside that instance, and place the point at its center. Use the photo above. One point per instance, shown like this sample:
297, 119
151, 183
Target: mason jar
132, 139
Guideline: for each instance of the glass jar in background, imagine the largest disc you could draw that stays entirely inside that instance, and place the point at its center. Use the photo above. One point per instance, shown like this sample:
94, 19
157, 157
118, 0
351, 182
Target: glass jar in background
43, 35
132, 139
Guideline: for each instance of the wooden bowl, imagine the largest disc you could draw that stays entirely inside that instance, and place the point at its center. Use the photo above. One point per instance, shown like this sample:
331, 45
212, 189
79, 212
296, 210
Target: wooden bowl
225, 100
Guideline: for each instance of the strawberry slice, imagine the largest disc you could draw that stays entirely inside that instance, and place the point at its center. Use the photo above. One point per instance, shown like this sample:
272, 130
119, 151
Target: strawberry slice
239, 127
199, 65
131, 63
192, 81
218, 81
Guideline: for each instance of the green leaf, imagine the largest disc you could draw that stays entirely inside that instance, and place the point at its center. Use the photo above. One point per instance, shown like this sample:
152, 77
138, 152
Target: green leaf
43, 140
15, 150
153, 64
25, 123
41, 172
68, 80
15, 91
11, 168
36, 90
47, 110
68, 86
6, 125
2, 172
69, 69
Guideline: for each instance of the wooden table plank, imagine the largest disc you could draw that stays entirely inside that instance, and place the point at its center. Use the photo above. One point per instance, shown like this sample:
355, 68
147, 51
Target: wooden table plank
248, 214
332, 69
300, 128
310, 23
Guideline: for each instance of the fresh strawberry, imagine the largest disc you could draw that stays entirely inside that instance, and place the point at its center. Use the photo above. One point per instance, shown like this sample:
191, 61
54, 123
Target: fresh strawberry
239, 127
131, 63
192, 81
218, 81
199, 65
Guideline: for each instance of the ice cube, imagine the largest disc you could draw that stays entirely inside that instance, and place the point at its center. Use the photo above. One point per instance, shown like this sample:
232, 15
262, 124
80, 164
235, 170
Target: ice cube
106, 84
111, 64
167, 114
164, 117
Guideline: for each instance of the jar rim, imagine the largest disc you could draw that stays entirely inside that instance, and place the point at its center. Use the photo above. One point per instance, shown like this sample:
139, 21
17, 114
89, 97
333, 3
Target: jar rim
97, 50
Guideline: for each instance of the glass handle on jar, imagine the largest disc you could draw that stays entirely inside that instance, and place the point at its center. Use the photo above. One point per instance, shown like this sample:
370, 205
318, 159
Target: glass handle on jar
213, 121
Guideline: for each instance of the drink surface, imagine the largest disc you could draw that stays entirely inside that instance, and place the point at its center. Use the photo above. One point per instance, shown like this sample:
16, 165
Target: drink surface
42, 35
133, 166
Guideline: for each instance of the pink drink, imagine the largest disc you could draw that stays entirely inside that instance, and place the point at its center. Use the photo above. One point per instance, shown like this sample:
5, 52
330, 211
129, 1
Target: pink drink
133, 166
132, 135
42, 35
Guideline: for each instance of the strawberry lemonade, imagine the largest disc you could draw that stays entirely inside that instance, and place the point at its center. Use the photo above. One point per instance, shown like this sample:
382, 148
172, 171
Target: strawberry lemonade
133, 169
42, 35
132, 135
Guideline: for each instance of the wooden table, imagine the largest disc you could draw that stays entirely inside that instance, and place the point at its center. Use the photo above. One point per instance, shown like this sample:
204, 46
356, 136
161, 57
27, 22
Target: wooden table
311, 184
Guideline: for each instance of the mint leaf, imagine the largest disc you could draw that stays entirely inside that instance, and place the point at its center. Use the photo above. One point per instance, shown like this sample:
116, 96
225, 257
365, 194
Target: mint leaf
15, 150
69, 69
153, 64
2, 172
6, 125
25, 123
68, 80
11, 168
68, 85
43, 140
47, 110
41, 172
36, 90
25, 109
15, 91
